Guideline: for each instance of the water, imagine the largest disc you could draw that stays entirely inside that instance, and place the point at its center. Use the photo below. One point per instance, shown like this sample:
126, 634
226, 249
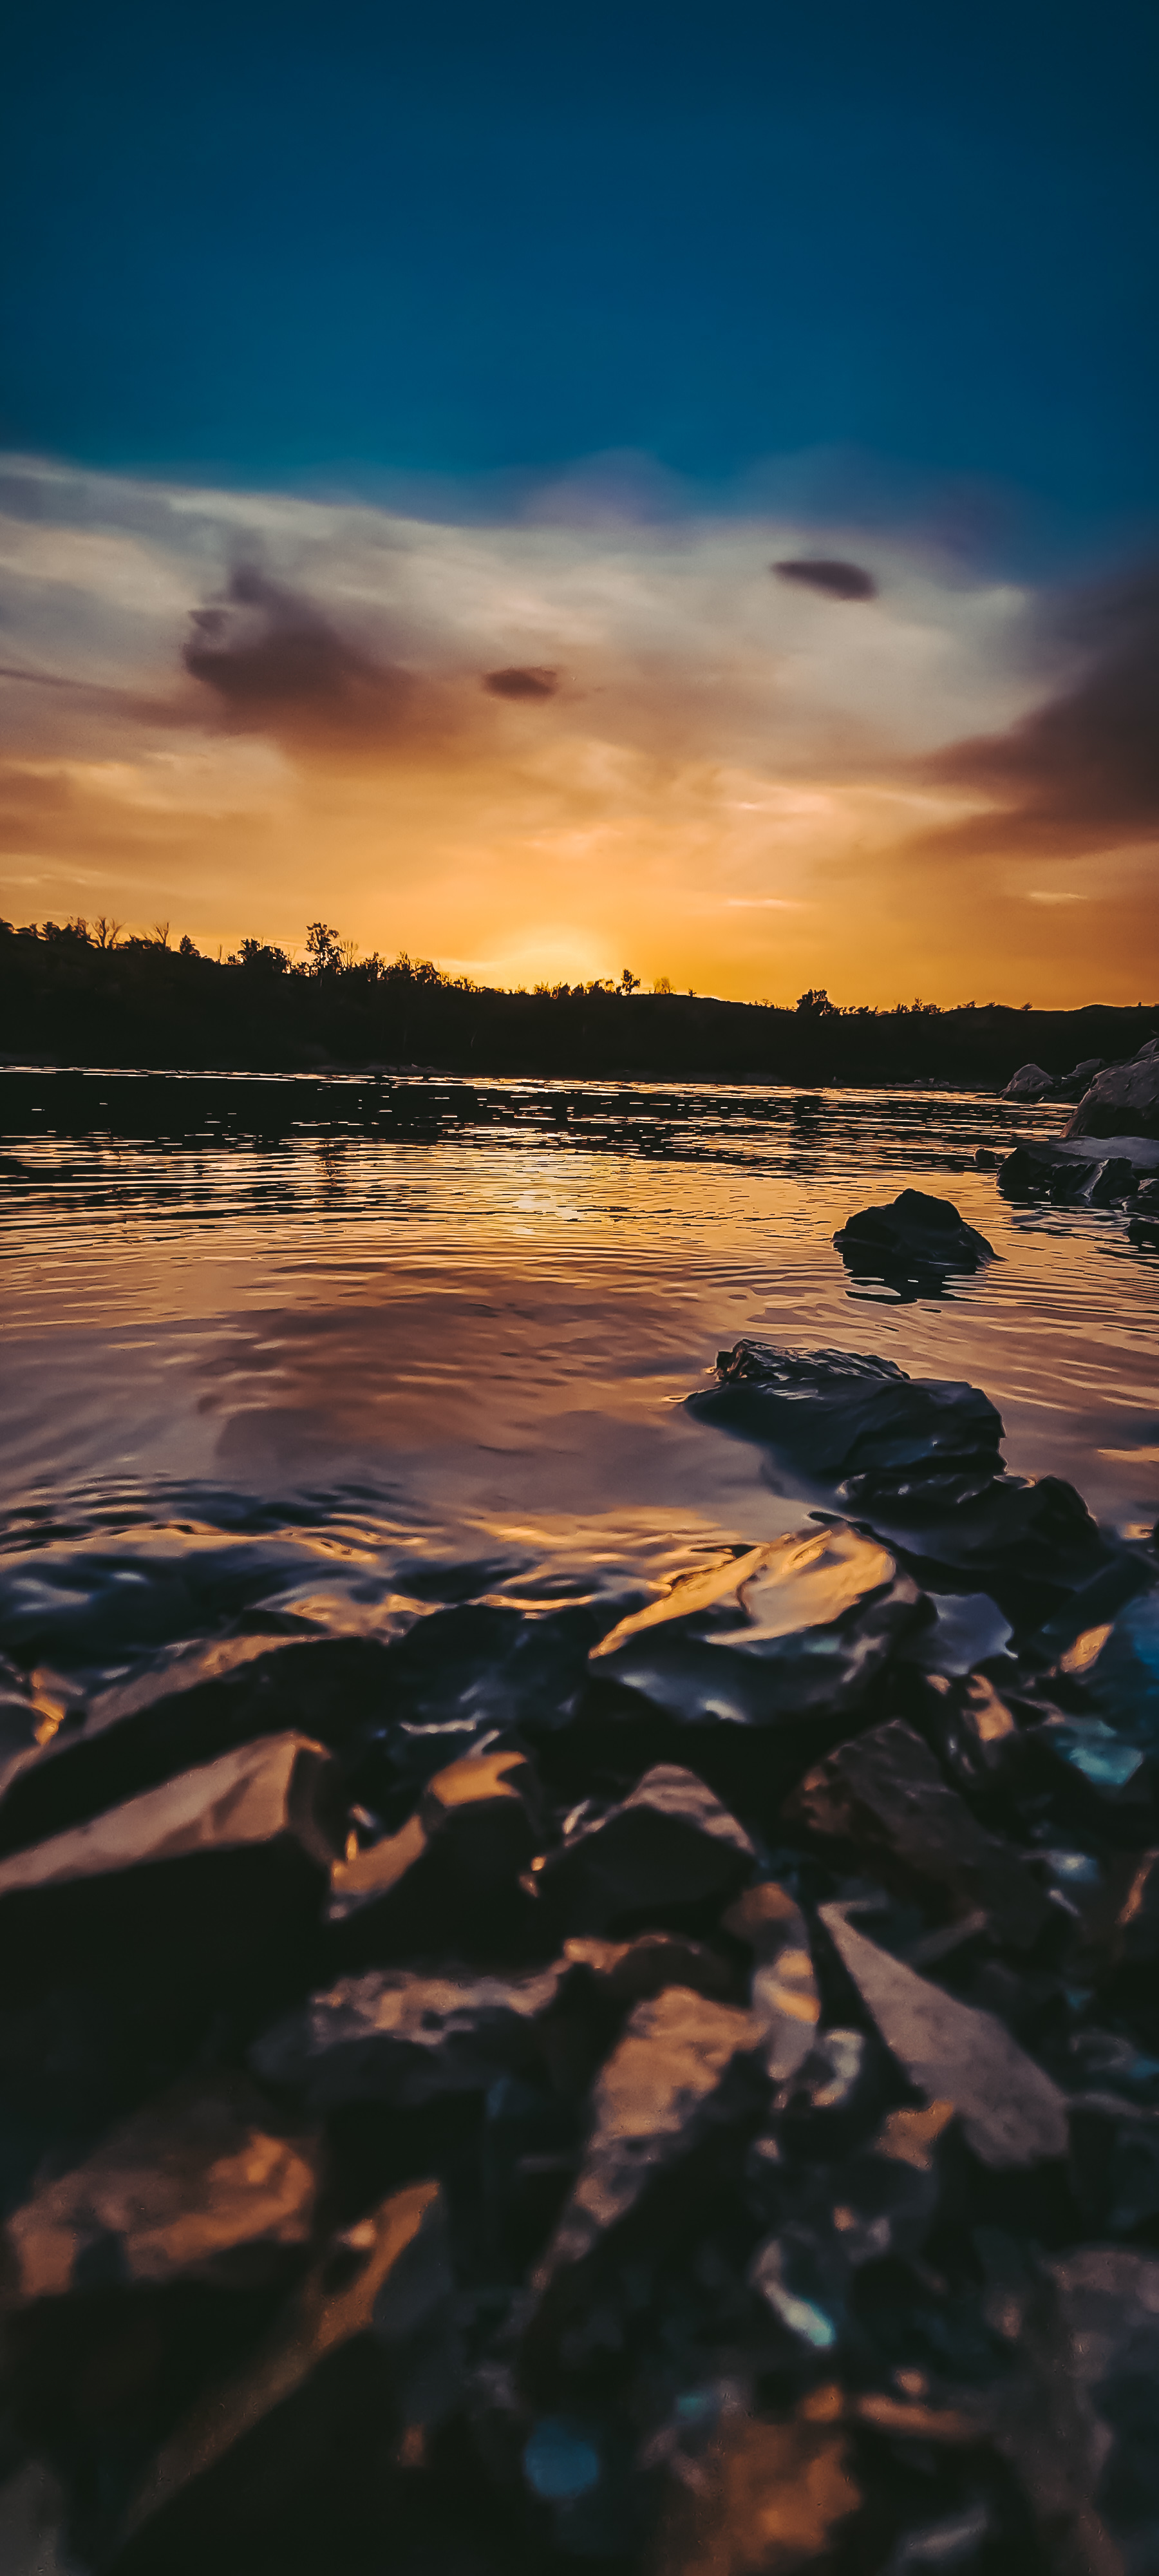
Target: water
293, 1359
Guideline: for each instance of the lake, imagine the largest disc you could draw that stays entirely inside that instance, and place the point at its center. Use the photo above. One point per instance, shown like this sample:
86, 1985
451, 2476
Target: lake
298, 1358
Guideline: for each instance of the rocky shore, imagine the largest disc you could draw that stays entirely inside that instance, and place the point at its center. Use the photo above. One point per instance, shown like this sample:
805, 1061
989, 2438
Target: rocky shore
675, 2088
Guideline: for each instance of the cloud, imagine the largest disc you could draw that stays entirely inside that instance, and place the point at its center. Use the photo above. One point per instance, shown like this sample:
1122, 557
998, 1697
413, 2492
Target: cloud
522, 681
828, 574
267, 651
1080, 772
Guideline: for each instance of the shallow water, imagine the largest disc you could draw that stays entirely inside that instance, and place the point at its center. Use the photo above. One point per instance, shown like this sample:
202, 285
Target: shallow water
278, 1374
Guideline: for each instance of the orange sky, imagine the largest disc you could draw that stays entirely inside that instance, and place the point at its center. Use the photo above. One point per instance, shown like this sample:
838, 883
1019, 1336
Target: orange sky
556, 747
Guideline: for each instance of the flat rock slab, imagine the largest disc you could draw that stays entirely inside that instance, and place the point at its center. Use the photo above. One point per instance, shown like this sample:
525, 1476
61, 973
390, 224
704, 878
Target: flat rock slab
1011, 2112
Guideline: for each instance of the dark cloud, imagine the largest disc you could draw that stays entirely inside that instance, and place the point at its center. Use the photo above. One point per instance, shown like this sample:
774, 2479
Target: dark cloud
1083, 768
268, 651
521, 682
829, 575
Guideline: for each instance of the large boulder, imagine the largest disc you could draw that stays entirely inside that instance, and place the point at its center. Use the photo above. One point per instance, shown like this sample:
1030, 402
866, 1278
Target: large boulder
1123, 1100
912, 1237
1030, 1082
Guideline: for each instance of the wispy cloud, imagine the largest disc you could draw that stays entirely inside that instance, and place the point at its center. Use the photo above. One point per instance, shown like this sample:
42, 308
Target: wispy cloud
568, 740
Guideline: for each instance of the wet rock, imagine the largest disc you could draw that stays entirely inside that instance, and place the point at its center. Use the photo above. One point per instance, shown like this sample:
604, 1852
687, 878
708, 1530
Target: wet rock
670, 1843
477, 1825
232, 1854
975, 1730
1097, 1181
406, 2036
662, 2089
784, 1997
631, 1972
198, 2186
883, 1792
1011, 2112
767, 2499
913, 1236
1031, 1082
1109, 2301
1122, 1100
190, 1709
804, 1623
842, 1413
305, 2445
966, 1630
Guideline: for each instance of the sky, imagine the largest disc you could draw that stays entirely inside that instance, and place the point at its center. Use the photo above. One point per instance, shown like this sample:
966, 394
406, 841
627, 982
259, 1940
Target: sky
673, 487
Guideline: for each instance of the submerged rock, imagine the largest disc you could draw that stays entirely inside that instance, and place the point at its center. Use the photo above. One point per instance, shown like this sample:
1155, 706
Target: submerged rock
883, 1792
303, 2436
803, 1623
1012, 2113
913, 1236
669, 1843
195, 2187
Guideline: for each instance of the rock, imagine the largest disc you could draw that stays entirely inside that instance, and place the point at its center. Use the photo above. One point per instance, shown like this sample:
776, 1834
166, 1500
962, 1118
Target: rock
299, 2444
630, 1972
801, 1624
1034, 1170
1137, 1926
195, 2187
477, 1825
407, 2037
913, 1236
658, 2095
32, 2507
840, 1413
765, 2499
1109, 2300
784, 1998
1114, 2161
967, 1629
670, 1843
1011, 2112
1030, 1082
883, 1791
1124, 1099
191, 1708
231, 1855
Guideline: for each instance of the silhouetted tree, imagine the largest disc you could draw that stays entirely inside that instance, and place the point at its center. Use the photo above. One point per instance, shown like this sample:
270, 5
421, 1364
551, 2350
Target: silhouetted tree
323, 948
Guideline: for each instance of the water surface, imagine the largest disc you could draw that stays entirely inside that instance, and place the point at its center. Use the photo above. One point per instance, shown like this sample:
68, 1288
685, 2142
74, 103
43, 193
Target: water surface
317, 1365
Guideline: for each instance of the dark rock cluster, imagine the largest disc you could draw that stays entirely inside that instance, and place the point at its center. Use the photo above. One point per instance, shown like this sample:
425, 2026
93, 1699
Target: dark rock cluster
677, 2093
1114, 1100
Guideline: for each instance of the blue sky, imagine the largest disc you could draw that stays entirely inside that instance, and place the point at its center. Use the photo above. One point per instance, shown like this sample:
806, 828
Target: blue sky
848, 251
